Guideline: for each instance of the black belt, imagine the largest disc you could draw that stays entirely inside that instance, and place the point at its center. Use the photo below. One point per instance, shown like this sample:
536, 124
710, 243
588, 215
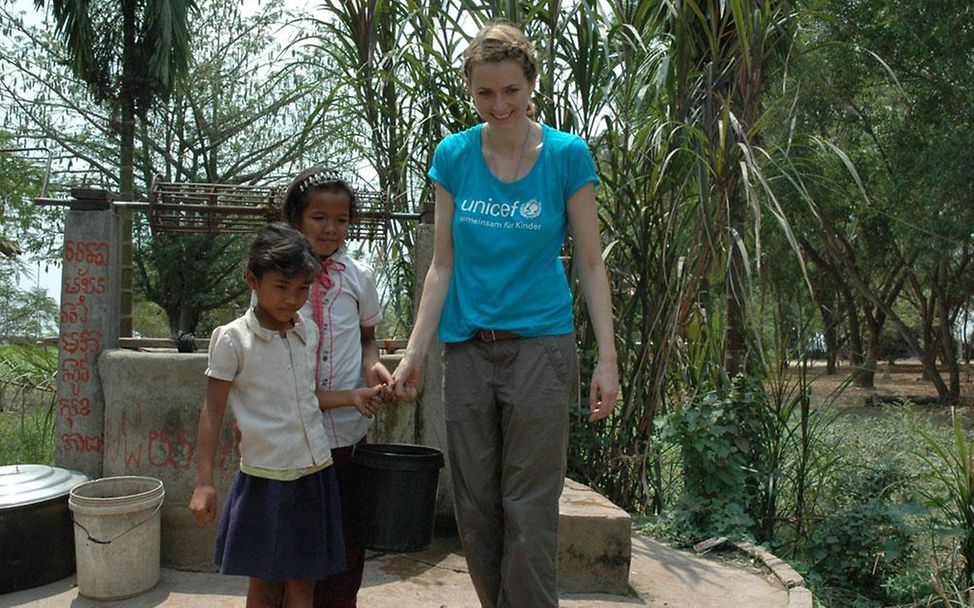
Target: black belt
494, 335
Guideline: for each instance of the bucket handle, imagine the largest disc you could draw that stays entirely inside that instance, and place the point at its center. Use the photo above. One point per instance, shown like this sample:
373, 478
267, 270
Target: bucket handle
123, 533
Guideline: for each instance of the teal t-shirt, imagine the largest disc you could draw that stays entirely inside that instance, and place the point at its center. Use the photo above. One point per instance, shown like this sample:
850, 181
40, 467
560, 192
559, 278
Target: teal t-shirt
507, 237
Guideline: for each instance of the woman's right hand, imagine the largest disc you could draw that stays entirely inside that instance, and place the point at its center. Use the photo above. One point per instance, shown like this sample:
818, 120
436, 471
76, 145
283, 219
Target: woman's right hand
203, 504
405, 378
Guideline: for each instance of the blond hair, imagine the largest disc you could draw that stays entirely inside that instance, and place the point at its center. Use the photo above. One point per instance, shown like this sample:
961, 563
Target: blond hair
501, 41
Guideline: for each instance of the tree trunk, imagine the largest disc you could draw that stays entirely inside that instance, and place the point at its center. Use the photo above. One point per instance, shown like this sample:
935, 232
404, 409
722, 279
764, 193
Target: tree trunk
734, 291
835, 246
944, 394
824, 295
854, 325
831, 351
825, 301
947, 343
866, 378
930, 352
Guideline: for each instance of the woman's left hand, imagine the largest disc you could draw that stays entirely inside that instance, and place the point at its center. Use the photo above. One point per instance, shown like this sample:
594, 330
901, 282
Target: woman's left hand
604, 391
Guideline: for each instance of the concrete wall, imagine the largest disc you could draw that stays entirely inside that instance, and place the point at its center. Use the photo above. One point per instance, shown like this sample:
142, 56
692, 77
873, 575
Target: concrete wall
152, 407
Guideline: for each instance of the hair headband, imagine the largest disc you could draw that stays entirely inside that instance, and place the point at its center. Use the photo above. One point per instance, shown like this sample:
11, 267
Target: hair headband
328, 175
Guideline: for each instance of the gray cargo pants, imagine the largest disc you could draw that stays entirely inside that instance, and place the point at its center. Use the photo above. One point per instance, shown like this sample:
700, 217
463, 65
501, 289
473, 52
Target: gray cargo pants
507, 408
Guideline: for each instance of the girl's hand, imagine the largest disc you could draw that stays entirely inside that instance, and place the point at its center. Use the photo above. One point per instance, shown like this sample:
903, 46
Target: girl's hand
604, 391
406, 378
203, 504
367, 400
377, 375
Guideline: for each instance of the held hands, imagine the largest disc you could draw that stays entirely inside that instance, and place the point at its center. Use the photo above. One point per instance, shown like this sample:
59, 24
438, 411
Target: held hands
368, 400
203, 504
605, 389
406, 378
376, 375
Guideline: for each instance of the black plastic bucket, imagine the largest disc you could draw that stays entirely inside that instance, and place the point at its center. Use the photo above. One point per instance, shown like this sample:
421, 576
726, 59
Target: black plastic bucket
393, 495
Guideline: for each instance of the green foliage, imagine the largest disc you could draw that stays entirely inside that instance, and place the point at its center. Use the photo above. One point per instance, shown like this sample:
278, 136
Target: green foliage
794, 456
619, 456
867, 493
28, 393
130, 55
30, 314
149, 320
123, 49
864, 540
173, 268
24, 226
253, 107
882, 112
727, 136
951, 464
716, 434
245, 110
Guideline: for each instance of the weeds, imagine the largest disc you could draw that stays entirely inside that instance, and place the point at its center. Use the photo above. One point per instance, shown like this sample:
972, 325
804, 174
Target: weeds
951, 464
28, 394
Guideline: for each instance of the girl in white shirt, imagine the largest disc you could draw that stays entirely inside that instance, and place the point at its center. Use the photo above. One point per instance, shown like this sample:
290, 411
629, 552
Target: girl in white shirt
281, 521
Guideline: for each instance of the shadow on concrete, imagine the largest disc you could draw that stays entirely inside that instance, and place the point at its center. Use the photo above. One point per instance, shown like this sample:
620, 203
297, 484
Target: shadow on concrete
437, 578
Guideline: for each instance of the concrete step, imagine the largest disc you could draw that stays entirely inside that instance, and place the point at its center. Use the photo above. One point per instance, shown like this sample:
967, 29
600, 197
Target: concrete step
594, 542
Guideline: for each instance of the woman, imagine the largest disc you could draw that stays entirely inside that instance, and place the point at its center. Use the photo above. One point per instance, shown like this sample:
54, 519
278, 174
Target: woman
507, 190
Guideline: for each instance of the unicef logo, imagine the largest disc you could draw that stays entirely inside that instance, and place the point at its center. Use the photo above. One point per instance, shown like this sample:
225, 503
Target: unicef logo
531, 209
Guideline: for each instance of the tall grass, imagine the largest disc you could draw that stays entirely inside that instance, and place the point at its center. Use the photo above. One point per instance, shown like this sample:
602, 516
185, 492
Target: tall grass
951, 465
28, 395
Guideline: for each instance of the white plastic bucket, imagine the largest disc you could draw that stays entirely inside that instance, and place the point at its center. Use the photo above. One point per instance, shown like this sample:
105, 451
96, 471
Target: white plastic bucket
116, 535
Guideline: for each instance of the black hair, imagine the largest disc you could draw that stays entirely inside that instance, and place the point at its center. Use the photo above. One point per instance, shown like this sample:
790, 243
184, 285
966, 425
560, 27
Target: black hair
314, 179
281, 247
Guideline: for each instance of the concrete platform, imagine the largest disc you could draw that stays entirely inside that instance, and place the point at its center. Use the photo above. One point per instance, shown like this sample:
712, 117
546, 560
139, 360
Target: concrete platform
594, 546
437, 578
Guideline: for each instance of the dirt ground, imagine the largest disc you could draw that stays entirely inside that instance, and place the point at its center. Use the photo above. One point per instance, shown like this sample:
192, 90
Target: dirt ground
902, 380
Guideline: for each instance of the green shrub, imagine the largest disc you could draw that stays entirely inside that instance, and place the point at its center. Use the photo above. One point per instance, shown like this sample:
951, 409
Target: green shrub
715, 436
865, 540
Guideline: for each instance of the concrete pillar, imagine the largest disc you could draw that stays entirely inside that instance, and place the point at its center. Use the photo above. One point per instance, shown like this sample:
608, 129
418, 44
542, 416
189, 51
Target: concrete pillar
430, 409
89, 325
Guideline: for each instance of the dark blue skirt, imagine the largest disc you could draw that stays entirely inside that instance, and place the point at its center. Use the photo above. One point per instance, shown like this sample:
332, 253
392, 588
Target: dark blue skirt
282, 530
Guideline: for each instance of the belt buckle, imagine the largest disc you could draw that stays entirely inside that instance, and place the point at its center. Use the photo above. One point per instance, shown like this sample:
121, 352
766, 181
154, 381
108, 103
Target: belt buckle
488, 332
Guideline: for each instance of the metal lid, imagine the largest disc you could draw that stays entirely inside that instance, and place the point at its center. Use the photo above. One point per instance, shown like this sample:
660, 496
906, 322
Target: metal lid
24, 484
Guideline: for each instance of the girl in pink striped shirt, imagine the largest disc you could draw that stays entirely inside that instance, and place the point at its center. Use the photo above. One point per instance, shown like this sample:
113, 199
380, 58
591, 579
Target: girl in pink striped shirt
344, 305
